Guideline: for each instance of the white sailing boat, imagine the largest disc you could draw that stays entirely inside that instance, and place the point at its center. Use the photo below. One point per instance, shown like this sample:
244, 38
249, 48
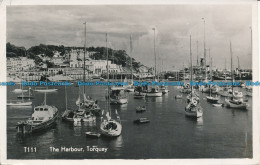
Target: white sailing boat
130, 87
29, 96
68, 114
110, 127
20, 90
211, 98
83, 114
193, 109
234, 102
19, 102
154, 91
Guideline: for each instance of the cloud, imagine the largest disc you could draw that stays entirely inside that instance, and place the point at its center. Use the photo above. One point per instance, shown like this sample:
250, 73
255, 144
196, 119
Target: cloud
32, 25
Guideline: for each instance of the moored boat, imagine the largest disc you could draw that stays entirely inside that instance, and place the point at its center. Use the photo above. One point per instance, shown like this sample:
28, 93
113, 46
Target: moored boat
141, 121
43, 117
140, 109
93, 134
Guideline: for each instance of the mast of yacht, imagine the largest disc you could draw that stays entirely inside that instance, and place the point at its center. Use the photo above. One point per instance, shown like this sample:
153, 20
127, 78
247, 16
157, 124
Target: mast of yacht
108, 94
232, 70
66, 101
131, 50
205, 50
191, 74
154, 55
84, 76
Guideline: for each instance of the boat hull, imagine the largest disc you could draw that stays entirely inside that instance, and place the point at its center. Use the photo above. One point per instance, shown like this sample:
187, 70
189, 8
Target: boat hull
154, 94
237, 106
111, 133
20, 104
118, 101
32, 128
45, 90
195, 113
212, 100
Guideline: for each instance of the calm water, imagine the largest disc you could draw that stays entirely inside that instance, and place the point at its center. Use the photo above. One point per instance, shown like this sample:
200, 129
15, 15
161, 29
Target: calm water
221, 132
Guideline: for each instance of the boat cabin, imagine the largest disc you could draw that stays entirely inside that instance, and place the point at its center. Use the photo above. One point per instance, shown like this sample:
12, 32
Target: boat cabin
43, 113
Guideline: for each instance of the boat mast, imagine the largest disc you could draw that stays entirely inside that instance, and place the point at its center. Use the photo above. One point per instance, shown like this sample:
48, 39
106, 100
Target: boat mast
191, 67
66, 98
131, 49
205, 50
108, 94
154, 54
231, 69
84, 76
197, 53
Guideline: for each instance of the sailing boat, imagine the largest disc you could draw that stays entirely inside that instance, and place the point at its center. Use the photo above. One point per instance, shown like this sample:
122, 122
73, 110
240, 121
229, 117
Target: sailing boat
67, 114
233, 102
153, 91
193, 109
210, 98
130, 88
25, 96
20, 90
18, 102
43, 117
110, 127
83, 113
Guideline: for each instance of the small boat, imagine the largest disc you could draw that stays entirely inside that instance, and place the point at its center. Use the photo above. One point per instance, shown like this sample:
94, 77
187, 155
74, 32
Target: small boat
164, 89
178, 97
139, 93
212, 99
193, 109
153, 91
68, 115
218, 105
82, 115
141, 121
19, 90
233, 103
45, 90
93, 134
19, 103
140, 109
43, 117
24, 96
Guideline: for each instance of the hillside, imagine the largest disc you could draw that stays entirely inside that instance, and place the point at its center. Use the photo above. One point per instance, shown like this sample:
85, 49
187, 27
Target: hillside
119, 57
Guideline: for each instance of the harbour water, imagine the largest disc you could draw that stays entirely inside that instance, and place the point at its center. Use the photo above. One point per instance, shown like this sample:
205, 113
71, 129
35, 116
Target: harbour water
221, 133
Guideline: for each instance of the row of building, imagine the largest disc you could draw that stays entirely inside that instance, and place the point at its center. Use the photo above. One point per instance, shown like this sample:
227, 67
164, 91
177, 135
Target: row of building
69, 63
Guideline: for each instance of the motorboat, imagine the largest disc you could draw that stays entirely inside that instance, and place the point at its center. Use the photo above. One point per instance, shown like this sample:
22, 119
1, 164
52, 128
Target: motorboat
140, 109
117, 95
43, 117
178, 97
141, 121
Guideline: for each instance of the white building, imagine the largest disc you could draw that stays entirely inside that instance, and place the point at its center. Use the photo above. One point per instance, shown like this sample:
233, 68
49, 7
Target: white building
19, 64
96, 66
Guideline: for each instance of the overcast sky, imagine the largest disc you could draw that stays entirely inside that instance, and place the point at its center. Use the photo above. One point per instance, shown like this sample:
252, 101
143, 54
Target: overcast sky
63, 25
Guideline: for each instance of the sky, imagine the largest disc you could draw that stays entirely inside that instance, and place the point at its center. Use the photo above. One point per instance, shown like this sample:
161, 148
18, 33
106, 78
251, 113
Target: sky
63, 25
